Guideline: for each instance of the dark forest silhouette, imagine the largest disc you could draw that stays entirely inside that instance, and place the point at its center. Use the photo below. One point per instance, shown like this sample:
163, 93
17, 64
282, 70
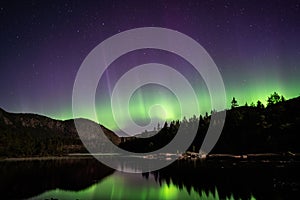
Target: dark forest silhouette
248, 129
233, 178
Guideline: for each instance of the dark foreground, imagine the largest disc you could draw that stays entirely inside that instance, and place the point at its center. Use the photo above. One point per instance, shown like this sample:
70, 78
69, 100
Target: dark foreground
261, 178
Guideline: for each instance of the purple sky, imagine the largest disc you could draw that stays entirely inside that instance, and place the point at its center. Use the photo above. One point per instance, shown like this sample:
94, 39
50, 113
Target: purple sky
44, 43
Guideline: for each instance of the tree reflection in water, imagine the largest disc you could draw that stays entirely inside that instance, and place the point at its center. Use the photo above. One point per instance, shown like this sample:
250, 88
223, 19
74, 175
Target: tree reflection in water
240, 180
184, 179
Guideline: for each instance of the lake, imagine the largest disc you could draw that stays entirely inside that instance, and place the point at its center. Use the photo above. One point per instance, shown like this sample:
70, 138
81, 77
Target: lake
86, 178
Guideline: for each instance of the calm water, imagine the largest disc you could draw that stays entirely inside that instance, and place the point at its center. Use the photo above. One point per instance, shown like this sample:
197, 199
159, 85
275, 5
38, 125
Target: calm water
89, 179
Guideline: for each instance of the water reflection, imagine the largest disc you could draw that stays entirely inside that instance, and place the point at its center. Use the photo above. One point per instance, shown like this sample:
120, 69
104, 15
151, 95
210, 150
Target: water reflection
234, 178
128, 186
89, 179
24, 179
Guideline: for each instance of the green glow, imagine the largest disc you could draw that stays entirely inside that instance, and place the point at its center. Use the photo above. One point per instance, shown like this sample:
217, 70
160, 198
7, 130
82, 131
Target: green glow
260, 89
168, 192
257, 80
154, 102
145, 102
119, 187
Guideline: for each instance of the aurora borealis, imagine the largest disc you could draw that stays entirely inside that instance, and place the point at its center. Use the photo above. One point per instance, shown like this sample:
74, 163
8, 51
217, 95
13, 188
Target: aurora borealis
255, 45
117, 186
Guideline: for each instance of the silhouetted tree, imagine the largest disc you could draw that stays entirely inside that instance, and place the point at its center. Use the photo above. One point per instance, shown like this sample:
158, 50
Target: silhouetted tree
260, 105
206, 115
158, 126
234, 103
273, 99
246, 130
201, 118
165, 125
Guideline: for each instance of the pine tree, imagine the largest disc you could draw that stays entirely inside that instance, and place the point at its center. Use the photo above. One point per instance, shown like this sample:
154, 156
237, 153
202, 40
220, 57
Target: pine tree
234, 103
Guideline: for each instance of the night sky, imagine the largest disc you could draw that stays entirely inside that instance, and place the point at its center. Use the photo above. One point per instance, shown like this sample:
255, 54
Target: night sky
255, 44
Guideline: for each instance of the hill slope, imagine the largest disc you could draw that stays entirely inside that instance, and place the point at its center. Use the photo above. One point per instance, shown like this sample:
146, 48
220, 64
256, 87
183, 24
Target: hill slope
247, 129
36, 135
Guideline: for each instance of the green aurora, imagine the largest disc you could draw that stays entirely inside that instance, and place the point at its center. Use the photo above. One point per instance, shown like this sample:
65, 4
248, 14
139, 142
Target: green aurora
255, 47
139, 108
117, 187
146, 102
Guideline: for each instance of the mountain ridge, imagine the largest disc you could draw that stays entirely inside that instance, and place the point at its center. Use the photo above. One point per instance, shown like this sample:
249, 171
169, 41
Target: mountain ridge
23, 134
247, 129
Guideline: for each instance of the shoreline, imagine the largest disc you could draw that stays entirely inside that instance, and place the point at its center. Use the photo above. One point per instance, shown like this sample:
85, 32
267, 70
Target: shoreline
185, 156
64, 157
240, 156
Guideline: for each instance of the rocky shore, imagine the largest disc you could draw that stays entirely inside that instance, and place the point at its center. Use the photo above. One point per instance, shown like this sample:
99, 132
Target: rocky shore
262, 156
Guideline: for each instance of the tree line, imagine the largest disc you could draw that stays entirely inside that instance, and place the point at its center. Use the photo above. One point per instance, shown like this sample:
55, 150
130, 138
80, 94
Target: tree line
247, 129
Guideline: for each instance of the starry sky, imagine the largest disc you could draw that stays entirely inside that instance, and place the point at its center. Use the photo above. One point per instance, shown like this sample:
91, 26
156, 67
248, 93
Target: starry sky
255, 44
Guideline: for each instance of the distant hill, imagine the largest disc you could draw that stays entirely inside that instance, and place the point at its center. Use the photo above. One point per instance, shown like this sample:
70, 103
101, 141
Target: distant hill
36, 135
247, 129
256, 129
